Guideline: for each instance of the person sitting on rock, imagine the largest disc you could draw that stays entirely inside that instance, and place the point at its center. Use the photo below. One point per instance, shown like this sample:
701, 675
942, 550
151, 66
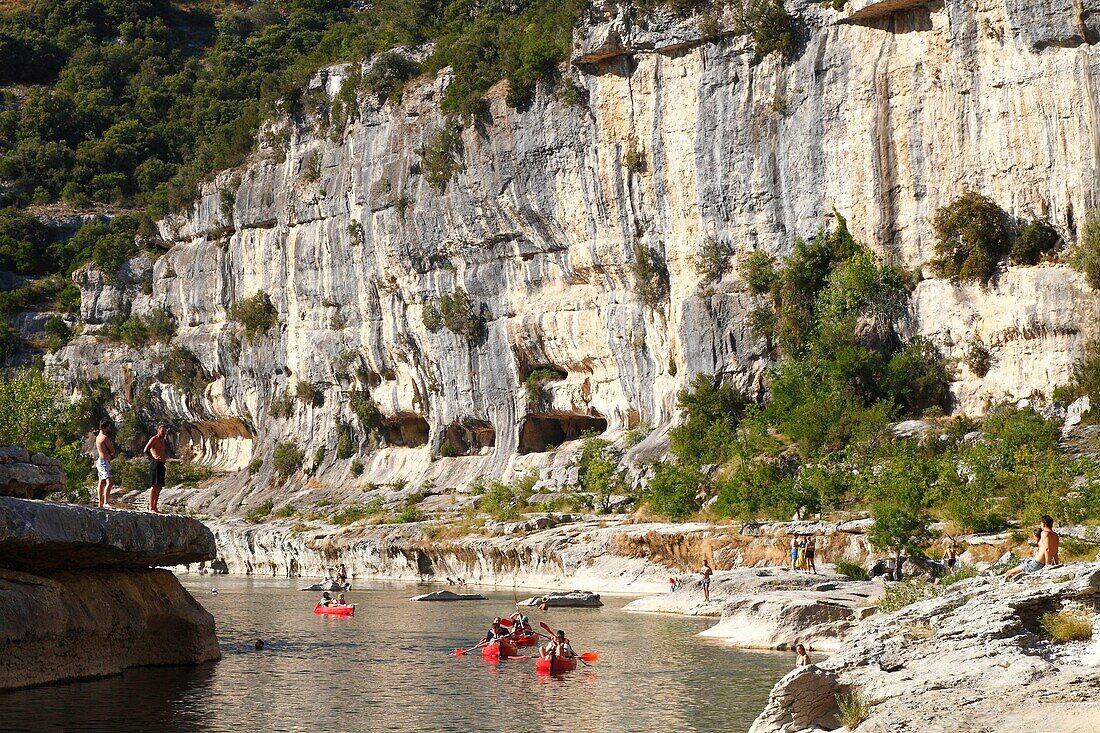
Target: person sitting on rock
1045, 554
326, 599
803, 657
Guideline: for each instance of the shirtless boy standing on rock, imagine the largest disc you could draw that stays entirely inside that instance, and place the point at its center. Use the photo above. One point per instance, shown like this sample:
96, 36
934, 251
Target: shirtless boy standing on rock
105, 450
157, 451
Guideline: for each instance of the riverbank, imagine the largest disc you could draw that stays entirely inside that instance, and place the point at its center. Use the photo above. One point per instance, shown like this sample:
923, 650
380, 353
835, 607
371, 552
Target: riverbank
978, 657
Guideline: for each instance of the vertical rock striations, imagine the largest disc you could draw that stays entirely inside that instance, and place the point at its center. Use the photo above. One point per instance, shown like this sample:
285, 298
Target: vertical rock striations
573, 229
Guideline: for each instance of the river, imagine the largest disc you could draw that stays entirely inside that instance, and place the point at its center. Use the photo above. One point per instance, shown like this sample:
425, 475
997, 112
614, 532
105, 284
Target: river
387, 669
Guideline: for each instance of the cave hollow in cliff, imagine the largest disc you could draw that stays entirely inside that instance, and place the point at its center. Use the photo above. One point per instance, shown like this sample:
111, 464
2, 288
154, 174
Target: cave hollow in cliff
467, 437
544, 432
407, 430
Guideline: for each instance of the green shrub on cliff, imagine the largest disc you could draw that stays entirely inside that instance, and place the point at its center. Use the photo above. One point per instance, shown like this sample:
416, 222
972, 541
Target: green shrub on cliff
460, 314
256, 313
1086, 255
973, 234
287, 459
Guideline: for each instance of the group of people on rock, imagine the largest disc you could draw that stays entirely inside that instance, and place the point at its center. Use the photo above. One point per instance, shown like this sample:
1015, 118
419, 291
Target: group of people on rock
803, 549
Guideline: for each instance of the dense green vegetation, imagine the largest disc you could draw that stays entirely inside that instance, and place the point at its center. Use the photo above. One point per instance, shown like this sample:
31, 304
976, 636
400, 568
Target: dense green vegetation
822, 440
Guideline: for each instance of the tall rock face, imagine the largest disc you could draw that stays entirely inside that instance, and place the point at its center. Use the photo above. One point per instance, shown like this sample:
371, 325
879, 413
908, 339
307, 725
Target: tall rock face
574, 230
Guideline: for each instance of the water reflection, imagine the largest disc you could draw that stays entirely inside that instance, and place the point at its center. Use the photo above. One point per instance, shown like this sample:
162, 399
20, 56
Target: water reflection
387, 669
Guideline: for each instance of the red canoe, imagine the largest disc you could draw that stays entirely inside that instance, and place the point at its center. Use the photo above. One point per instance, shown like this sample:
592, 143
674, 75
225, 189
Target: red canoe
499, 650
554, 665
525, 640
335, 610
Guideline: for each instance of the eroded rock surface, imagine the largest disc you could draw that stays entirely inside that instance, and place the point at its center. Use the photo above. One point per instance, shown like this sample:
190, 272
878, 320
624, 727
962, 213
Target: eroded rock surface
887, 111
27, 476
569, 599
974, 659
61, 625
41, 535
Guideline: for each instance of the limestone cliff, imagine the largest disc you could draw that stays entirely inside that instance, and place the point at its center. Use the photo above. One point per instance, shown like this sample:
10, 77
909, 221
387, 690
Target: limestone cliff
887, 111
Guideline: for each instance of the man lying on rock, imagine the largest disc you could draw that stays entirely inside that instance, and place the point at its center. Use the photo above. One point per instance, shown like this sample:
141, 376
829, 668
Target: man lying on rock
1045, 554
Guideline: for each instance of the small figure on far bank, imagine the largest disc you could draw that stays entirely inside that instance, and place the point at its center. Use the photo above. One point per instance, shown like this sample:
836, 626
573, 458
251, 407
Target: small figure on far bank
706, 572
156, 450
105, 452
342, 575
802, 553
811, 550
672, 585
794, 552
950, 556
259, 645
802, 658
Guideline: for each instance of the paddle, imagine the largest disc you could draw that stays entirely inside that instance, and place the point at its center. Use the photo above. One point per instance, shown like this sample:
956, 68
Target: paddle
463, 652
585, 658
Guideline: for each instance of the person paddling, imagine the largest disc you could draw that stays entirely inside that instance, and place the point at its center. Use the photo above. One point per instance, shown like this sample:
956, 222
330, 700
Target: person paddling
496, 632
326, 599
558, 646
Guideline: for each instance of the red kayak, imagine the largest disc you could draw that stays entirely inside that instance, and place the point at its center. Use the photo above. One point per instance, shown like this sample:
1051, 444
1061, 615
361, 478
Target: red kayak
497, 650
525, 640
335, 610
554, 665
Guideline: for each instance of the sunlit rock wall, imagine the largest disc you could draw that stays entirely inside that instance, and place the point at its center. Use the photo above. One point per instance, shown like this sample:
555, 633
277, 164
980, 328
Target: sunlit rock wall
883, 116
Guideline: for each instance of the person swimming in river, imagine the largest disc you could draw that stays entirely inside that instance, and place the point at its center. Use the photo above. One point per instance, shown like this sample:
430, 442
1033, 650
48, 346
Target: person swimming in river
803, 657
558, 646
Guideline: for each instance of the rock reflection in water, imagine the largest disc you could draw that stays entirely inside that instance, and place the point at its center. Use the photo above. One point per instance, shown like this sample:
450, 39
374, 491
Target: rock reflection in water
387, 669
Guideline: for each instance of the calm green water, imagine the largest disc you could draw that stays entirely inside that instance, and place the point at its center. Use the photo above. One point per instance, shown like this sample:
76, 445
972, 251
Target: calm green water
387, 669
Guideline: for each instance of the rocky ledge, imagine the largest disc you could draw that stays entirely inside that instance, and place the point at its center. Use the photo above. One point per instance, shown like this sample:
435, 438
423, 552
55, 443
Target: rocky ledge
974, 658
772, 608
80, 596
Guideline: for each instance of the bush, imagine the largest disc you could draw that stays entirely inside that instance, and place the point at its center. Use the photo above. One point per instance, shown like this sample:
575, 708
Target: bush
896, 596
254, 466
536, 381
713, 259
710, 411
767, 23
972, 234
31, 408
637, 434
287, 459
1086, 256
356, 468
1067, 625
58, 333
439, 157
758, 272
672, 491
1035, 239
978, 358
309, 393
433, 319
388, 73
854, 709
598, 470
459, 314
852, 571
651, 280
345, 442
256, 313
357, 512
259, 513
959, 573
365, 409
499, 501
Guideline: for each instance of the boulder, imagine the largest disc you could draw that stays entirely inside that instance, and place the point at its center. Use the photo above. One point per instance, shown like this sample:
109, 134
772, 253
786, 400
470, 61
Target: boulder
974, 657
781, 619
28, 477
62, 625
329, 585
40, 535
446, 595
562, 599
